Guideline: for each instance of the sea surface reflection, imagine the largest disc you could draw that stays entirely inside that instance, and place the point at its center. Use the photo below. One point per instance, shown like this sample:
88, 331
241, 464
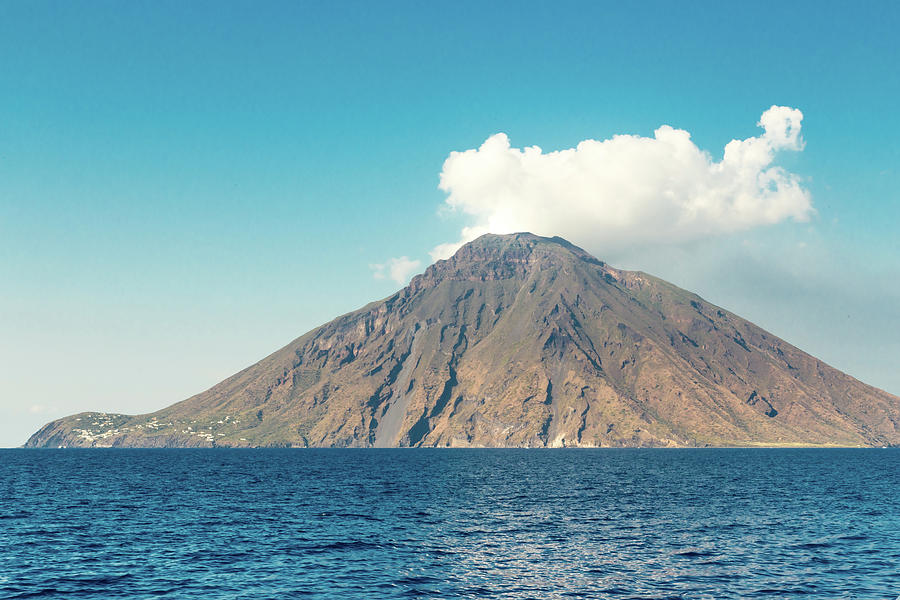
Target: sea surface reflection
712, 523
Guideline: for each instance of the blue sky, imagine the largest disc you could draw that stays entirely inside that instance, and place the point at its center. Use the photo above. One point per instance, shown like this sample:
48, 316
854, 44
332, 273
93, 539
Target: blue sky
185, 187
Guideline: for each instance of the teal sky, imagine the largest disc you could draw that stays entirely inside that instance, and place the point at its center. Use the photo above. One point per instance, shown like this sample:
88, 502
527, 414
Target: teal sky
186, 187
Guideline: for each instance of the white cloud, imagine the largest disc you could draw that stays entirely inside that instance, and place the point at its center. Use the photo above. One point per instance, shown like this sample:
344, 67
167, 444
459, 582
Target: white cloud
628, 190
398, 269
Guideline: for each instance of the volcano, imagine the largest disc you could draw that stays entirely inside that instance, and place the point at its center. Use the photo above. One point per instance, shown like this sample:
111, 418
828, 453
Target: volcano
519, 341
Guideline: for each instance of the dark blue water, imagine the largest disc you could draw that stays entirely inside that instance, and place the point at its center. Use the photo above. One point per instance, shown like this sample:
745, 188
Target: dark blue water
450, 523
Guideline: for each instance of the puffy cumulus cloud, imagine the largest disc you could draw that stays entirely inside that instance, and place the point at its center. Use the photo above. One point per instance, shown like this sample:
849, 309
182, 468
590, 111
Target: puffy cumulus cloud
628, 190
398, 269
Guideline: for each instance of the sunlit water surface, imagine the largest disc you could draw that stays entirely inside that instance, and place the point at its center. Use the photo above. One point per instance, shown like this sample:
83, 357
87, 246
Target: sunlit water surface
450, 523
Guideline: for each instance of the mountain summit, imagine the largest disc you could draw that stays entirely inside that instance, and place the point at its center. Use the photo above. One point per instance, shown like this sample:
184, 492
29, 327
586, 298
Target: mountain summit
519, 340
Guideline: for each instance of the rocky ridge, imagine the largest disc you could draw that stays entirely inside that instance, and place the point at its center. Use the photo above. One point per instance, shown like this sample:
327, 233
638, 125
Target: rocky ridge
519, 341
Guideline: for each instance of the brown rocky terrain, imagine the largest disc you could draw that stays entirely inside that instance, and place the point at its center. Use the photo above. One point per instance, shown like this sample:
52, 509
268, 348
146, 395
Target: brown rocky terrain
519, 340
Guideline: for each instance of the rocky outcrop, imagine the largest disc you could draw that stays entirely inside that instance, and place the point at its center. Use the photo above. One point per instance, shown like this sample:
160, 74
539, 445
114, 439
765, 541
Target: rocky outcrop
523, 341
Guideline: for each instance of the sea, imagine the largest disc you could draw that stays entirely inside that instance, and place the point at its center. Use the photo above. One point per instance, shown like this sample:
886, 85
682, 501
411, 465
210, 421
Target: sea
455, 523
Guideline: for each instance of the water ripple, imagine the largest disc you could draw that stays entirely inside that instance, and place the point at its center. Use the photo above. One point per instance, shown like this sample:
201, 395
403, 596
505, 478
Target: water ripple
608, 524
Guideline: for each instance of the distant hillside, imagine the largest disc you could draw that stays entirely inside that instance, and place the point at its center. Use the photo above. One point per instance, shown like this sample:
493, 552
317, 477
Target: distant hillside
519, 340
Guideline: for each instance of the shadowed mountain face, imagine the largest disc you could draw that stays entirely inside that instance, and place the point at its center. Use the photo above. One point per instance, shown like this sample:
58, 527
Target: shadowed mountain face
519, 340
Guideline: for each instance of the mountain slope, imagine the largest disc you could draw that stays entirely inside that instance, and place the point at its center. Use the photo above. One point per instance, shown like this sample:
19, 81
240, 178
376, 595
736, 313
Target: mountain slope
519, 340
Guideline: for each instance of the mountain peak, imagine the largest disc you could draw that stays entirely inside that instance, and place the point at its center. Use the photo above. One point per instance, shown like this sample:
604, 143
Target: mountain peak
503, 256
519, 242
520, 340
